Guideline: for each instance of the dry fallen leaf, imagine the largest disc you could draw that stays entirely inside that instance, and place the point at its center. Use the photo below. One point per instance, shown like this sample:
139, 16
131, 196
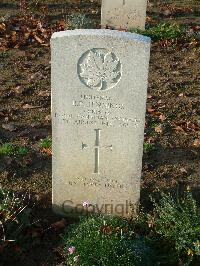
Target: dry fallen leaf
150, 110
62, 23
185, 126
159, 129
44, 93
2, 26
166, 13
13, 37
106, 229
11, 127
28, 106
2, 114
28, 159
150, 140
197, 143
38, 39
59, 225
26, 35
149, 96
47, 151
48, 118
178, 128
162, 117
59, 251
183, 170
18, 90
191, 125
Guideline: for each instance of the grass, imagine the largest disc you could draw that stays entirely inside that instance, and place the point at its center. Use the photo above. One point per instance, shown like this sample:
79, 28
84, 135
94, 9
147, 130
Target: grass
14, 218
4, 54
149, 147
8, 149
46, 143
168, 235
162, 31
114, 243
175, 225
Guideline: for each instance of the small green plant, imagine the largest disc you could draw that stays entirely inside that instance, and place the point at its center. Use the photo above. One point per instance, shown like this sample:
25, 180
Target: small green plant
154, 124
105, 241
162, 31
22, 151
14, 218
9, 149
148, 146
169, 235
4, 54
46, 143
176, 228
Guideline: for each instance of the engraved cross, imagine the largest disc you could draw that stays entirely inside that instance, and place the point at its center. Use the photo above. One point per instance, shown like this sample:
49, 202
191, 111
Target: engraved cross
97, 148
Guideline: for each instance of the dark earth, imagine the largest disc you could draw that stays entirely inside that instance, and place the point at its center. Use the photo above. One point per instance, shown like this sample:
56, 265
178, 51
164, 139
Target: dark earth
171, 159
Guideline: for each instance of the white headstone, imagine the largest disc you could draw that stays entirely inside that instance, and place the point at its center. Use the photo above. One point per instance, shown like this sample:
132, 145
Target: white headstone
99, 89
123, 14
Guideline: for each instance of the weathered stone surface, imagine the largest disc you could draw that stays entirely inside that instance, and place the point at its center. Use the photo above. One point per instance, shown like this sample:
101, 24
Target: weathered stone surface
99, 88
123, 14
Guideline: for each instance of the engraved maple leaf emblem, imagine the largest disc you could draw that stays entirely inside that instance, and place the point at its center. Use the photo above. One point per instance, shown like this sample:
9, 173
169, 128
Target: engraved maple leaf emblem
100, 69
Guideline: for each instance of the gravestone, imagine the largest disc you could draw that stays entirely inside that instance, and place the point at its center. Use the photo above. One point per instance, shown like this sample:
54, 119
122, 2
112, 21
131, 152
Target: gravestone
99, 89
123, 14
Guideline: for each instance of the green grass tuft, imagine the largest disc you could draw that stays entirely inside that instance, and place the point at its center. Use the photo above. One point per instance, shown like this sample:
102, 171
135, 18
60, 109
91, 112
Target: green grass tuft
8, 149
162, 31
105, 240
149, 147
169, 235
46, 143
14, 219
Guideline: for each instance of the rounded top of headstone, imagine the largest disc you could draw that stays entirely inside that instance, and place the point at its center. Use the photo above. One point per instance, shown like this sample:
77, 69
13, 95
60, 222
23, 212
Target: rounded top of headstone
102, 32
